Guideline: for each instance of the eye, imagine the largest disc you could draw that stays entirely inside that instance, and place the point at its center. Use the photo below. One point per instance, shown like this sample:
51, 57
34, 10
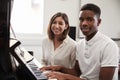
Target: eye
54, 22
89, 19
60, 23
81, 19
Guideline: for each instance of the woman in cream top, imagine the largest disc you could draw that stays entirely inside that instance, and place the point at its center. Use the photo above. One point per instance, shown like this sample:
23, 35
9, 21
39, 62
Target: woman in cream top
58, 48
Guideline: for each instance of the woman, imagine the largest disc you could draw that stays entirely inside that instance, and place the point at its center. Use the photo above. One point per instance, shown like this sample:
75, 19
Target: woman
59, 48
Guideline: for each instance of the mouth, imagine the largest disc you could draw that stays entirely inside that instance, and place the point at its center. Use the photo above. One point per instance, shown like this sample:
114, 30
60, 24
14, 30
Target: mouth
56, 30
85, 29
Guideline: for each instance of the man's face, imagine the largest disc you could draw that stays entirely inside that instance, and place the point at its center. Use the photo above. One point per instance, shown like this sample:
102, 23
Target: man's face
88, 22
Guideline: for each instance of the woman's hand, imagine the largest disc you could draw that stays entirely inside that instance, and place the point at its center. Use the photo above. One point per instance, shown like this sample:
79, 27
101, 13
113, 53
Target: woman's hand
51, 68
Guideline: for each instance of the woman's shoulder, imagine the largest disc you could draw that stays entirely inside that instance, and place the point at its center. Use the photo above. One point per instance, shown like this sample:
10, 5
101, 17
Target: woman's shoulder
45, 39
70, 40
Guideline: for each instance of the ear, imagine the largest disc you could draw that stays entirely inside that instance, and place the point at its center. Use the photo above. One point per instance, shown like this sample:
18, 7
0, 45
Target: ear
99, 21
66, 26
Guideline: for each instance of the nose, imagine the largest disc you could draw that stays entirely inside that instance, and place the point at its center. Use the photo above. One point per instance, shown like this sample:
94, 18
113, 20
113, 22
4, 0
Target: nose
56, 25
84, 23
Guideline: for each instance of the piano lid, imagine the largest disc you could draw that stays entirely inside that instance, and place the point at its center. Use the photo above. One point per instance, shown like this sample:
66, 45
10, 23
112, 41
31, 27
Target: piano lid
14, 43
26, 56
20, 51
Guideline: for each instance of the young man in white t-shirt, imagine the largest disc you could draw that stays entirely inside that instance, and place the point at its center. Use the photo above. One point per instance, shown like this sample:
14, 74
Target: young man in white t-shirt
97, 55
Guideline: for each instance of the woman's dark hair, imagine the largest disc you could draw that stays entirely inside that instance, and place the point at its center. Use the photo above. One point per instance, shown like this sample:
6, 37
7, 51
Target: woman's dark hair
65, 18
93, 8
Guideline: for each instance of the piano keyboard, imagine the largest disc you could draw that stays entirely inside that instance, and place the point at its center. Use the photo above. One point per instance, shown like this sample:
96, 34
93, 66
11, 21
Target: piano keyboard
35, 69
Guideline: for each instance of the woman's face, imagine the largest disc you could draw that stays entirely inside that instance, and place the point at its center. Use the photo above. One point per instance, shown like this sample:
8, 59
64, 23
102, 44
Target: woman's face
58, 26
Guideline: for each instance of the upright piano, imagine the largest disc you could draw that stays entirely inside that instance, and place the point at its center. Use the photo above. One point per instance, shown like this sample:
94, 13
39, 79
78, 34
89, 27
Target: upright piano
27, 67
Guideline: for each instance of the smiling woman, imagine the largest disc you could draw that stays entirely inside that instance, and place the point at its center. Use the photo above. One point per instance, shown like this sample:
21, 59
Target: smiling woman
27, 16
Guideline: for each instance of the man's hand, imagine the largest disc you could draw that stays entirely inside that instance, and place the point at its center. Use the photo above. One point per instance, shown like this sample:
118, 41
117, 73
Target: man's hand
56, 75
61, 76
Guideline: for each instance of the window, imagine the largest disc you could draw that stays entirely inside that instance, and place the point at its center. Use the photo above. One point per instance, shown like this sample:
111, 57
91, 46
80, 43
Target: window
27, 16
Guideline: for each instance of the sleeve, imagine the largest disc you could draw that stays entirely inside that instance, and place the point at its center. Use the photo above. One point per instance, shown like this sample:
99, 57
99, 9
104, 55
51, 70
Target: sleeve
73, 56
43, 61
78, 49
110, 55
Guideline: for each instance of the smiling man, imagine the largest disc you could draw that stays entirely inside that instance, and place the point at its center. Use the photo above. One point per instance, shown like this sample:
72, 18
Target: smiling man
97, 55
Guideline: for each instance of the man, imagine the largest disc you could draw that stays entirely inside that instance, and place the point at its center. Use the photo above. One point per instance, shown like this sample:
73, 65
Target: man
97, 55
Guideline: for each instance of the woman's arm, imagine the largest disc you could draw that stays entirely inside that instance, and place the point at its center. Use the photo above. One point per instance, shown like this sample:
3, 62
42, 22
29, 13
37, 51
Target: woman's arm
75, 71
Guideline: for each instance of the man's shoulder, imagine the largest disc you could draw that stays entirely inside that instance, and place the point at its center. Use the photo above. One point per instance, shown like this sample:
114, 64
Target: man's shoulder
80, 42
107, 40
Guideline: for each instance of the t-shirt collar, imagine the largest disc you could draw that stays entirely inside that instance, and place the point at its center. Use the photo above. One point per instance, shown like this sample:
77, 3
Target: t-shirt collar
93, 39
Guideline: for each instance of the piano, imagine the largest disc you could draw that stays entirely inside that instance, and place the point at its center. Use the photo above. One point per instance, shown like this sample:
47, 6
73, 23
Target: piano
27, 67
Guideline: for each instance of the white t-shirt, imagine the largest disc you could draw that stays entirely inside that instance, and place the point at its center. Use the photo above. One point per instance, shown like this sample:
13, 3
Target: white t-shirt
64, 55
98, 52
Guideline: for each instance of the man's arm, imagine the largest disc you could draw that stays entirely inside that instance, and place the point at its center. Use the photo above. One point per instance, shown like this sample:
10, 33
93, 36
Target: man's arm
106, 73
62, 76
75, 71
67, 74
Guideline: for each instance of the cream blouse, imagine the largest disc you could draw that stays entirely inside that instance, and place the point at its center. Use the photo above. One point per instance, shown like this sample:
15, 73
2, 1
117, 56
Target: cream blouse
64, 55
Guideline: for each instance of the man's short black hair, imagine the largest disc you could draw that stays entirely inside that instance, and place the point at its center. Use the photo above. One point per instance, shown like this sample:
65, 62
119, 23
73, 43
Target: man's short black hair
92, 7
